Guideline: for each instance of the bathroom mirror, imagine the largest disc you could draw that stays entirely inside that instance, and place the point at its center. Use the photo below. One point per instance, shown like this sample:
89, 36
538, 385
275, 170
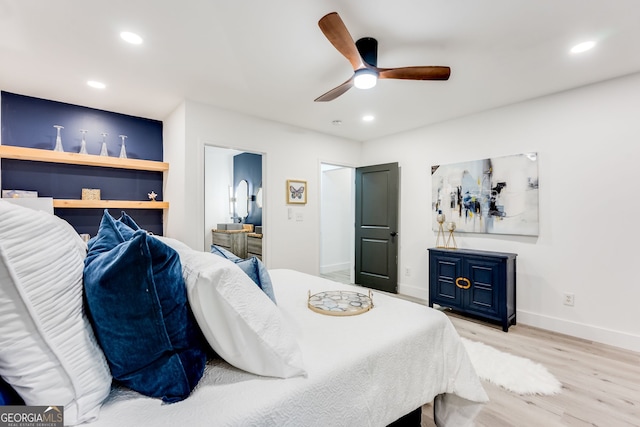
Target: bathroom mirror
242, 199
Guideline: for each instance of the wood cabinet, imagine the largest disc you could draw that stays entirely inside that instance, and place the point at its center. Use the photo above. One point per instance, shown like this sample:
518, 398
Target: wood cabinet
481, 284
254, 245
235, 241
38, 155
242, 243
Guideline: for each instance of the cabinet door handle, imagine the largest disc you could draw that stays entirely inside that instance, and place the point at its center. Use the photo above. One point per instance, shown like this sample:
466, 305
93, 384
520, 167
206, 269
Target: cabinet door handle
467, 283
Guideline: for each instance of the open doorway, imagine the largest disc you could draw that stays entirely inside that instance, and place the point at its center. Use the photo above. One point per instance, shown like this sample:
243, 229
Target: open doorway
233, 199
337, 213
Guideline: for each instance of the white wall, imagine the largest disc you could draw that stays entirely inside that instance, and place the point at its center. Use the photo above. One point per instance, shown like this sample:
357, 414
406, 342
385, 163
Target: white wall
218, 177
588, 146
288, 153
173, 140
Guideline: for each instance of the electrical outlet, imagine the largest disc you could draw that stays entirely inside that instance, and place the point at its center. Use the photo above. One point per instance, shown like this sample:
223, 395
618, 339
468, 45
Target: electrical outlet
569, 299
407, 271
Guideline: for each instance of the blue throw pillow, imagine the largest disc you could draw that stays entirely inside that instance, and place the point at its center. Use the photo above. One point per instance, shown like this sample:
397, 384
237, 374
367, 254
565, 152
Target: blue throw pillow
137, 303
253, 267
218, 250
8, 395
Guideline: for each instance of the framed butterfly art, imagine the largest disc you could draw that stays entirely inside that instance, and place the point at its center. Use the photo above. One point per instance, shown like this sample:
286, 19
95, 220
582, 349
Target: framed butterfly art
296, 191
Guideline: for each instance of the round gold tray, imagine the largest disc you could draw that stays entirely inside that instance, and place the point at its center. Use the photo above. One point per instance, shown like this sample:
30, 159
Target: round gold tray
340, 303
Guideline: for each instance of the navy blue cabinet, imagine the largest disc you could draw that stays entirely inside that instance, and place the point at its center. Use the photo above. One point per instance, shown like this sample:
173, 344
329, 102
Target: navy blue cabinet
478, 283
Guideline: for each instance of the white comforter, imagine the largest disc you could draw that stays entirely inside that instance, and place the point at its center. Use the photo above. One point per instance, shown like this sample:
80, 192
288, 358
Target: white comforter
364, 370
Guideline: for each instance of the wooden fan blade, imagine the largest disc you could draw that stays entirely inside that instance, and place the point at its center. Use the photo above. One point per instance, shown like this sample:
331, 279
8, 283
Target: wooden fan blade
415, 73
335, 92
336, 32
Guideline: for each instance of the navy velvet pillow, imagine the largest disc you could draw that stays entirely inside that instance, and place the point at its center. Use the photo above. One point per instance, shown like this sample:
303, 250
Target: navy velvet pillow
8, 395
253, 267
125, 227
128, 221
137, 303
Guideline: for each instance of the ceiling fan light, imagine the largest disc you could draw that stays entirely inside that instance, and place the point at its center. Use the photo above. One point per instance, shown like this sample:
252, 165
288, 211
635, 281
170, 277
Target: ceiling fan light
365, 79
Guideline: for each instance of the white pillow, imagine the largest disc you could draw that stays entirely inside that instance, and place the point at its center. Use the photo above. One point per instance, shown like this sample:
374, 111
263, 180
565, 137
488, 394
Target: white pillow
237, 318
48, 352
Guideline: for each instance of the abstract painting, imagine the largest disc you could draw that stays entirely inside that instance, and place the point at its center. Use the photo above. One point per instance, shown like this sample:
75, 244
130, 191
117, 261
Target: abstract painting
497, 195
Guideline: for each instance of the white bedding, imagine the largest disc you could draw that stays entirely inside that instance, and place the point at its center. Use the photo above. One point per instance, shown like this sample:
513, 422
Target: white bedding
364, 370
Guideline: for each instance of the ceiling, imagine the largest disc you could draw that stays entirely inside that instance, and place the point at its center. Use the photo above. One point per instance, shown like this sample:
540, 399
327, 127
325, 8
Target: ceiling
269, 58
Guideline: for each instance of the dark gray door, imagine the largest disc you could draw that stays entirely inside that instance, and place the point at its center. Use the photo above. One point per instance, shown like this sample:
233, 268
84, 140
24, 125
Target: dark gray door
377, 227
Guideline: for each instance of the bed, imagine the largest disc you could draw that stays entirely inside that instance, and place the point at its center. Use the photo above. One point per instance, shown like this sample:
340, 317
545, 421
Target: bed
365, 370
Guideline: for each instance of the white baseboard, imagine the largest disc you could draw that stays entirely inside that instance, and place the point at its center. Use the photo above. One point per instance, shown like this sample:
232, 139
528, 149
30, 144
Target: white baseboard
413, 291
580, 330
330, 268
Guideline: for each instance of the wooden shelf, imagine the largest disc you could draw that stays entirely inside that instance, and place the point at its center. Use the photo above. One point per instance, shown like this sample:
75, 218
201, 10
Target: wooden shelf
38, 155
101, 204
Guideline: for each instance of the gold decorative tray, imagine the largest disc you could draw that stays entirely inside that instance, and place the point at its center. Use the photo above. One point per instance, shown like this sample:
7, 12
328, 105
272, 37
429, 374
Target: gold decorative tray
340, 303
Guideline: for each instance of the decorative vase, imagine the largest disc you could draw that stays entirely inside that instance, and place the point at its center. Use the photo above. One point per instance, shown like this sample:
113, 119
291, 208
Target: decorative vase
83, 143
103, 150
58, 146
123, 150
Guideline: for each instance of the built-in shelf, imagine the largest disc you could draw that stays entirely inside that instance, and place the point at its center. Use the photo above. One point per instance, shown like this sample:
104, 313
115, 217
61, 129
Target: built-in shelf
100, 204
50, 156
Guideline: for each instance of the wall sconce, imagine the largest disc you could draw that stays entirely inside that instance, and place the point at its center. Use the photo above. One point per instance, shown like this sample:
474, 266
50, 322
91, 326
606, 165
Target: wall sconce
232, 201
258, 198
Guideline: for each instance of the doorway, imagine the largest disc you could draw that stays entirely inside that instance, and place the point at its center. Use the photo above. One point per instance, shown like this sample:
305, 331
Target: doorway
221, 198
358, 225
337, 213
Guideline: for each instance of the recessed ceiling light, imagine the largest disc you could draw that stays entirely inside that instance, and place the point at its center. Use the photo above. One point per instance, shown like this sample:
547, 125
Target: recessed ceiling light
96, 85
368, 118
583, 47
130, 37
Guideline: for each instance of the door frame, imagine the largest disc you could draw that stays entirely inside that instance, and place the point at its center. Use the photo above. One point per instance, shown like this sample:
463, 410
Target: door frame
351, 218
204, 146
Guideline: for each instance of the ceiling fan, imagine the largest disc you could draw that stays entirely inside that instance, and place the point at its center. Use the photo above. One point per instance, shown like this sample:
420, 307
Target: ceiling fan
363, 56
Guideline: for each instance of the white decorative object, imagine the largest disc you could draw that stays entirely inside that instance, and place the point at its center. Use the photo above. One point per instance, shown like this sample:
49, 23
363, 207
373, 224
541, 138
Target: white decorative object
83, 143
123, 150
103, 150
58, 146
152, 196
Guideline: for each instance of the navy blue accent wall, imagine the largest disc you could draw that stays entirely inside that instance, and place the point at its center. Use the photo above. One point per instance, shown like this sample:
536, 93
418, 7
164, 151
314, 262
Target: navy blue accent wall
248, 166
28, 122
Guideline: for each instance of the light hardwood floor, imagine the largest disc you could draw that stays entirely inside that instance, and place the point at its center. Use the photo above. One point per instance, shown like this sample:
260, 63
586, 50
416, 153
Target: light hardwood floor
601, 384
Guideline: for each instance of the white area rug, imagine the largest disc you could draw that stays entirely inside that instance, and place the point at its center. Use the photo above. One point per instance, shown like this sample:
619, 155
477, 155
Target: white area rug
513, 373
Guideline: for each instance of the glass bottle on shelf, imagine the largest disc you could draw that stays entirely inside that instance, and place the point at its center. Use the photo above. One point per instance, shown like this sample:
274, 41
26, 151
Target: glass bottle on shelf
58, 146
103, 150
123, 150
83, 143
